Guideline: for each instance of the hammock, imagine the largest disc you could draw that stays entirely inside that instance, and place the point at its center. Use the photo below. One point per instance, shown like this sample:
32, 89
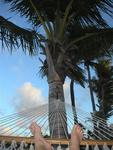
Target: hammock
15, 133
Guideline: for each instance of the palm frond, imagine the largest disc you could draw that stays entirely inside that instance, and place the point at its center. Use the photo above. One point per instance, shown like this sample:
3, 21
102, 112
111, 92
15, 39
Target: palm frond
104, 36
86, 12
40, 18
103, 87
93, 47
43, 69
66, 13
14, 36
75, 73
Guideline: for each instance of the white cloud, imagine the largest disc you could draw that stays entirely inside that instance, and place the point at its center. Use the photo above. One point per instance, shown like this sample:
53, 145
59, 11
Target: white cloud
66, 86
28, 96
67, 92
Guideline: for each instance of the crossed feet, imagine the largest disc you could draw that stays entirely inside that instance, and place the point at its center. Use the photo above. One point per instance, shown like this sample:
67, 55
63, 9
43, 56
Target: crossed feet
42, 144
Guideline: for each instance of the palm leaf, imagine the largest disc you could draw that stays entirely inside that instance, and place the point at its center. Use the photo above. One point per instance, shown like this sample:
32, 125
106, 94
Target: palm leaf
43, 69
40, 18
75, 73
13, 36
84, 11
66, 13
101, 35
103, 87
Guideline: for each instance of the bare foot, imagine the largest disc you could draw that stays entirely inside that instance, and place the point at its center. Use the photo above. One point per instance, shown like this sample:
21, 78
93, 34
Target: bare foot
76, 137
40, 142
35, 130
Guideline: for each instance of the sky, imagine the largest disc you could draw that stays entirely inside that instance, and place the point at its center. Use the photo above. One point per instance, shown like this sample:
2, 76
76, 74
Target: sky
21, 86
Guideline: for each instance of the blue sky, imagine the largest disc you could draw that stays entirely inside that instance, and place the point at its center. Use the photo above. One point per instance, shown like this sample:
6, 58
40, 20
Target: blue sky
20, 84
17, 69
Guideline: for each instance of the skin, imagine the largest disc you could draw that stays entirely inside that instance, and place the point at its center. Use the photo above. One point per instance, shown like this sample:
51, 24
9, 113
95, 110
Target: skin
76, 137
42, 144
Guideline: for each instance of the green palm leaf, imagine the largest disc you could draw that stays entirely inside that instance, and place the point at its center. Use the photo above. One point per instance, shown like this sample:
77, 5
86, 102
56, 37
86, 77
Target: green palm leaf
13, 36
104, 36
103, 87
86, 12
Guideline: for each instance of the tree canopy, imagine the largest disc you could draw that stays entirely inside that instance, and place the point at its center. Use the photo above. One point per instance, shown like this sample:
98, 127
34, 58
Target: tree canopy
85, 11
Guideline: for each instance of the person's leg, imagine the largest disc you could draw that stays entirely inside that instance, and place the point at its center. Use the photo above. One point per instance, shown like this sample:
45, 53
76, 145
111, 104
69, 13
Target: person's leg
40, 142
76, 137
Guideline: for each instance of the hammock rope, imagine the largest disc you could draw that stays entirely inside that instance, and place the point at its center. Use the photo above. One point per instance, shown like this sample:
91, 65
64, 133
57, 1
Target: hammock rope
17, 124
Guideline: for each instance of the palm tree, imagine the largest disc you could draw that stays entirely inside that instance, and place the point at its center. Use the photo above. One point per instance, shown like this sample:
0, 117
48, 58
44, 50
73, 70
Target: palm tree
66, 25
103, 87
90, 86
91, 52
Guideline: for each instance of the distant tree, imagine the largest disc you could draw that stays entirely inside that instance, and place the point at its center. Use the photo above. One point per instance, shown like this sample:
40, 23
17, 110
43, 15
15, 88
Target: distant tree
103, 88
87, 64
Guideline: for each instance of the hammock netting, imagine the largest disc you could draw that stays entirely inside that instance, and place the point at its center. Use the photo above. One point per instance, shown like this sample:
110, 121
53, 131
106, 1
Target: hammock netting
15, 133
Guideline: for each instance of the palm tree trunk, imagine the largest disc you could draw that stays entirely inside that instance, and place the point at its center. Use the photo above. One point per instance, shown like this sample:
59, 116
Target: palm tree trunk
57, 112
90, 88
73, 101
92, 100
102, 103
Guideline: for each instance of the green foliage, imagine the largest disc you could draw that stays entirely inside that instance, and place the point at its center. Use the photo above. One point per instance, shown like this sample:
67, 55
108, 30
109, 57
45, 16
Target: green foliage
84, 11
13, 36
103, 87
